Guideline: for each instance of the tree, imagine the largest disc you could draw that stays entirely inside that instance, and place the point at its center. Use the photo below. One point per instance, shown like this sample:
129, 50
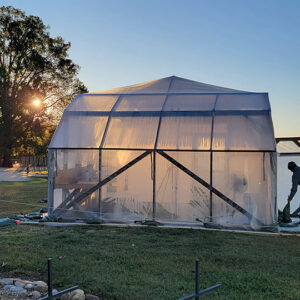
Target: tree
33, 65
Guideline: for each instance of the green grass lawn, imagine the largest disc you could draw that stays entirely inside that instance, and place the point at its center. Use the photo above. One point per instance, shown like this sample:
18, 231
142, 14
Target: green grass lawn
22, 197
154, 263
150, 263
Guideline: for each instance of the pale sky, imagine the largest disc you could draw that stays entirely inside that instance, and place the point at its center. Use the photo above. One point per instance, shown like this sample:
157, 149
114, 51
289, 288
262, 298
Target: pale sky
247, 45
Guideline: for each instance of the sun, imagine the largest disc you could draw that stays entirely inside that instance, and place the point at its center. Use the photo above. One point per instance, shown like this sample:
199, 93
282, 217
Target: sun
37, 102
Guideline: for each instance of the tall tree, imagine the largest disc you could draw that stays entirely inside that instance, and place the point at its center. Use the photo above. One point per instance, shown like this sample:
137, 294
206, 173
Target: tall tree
33, 67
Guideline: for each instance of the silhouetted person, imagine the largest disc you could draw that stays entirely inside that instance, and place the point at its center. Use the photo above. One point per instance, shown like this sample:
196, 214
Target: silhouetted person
27, 169
295, 182
295, 179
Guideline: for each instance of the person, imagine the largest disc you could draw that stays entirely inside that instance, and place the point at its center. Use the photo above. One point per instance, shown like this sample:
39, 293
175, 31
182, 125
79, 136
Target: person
295, 179
292, 166
27, 169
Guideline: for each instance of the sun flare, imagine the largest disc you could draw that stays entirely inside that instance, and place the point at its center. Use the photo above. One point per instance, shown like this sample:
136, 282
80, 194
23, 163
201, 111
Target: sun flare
37, 102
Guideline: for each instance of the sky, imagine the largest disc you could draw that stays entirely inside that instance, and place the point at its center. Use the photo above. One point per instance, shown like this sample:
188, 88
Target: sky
247, 45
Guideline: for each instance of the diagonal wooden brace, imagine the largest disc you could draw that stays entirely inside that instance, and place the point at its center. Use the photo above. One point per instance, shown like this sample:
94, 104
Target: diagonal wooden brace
208, 186
90, 191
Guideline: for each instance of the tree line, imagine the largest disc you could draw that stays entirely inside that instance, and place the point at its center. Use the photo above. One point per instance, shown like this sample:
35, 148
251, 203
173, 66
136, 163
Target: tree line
37, 81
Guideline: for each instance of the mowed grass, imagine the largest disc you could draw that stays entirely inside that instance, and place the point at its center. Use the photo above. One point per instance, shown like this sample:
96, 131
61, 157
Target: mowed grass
150, 263
22, 197
154, 263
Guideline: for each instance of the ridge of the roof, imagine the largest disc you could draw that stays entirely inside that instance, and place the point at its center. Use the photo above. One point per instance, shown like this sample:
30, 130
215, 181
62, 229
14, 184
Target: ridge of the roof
162, 85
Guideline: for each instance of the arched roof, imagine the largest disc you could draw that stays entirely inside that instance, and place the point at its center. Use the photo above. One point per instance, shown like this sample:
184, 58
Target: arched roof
171, 113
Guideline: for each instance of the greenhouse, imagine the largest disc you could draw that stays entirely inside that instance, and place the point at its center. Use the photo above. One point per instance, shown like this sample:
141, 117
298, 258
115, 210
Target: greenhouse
172, 150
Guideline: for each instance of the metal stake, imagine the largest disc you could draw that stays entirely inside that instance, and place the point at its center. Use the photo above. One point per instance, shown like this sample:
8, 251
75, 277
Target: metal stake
50, 279
198, 292
197, 280
50, 295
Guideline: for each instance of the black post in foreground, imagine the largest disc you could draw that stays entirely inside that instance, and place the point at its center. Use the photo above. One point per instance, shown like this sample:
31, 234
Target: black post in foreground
50, 295
197, 279
50, 278
198, 292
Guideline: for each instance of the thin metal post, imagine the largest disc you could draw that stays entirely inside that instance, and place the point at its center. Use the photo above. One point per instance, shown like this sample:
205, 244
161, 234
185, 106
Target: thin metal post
100, 150
211, 161
198, 293
51, 178
210, 189
50, 295
197, 280
100, 176
50, 279
160, 114
154, 185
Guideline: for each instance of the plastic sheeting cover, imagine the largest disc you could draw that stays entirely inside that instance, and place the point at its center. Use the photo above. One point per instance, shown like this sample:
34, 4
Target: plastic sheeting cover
113, 160
128, 197
172, 84
131, 132
243, 102
90, 102
141, 103
75, 167
153, 86
179, 198
243, 132
79, 131
187, 133
76, 170
190, 103
246, 179
179, 85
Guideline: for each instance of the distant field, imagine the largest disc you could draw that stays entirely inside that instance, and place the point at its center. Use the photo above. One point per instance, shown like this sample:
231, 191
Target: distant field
22, 197
145, 263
